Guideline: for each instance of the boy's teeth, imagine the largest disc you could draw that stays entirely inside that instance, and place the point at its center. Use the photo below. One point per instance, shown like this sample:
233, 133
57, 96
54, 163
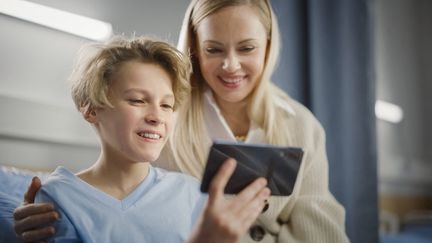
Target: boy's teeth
150, 135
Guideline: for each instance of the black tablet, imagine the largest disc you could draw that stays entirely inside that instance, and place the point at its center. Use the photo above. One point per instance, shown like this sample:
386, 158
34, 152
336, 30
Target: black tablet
279, 165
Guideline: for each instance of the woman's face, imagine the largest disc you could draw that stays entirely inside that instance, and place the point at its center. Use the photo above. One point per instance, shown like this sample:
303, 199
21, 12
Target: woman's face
231, 47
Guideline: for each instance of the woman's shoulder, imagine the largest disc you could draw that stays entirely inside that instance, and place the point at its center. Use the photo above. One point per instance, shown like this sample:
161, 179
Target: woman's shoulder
297, 113
302, 127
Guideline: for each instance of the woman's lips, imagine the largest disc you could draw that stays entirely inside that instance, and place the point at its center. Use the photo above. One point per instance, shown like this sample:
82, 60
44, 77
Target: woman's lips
232, 82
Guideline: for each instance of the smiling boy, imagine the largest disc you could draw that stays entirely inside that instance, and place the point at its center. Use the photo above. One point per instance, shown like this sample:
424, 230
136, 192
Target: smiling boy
128, 91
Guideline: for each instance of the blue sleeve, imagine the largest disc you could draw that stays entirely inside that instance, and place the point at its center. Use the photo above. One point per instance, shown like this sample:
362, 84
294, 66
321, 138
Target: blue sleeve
8, 204
65, 230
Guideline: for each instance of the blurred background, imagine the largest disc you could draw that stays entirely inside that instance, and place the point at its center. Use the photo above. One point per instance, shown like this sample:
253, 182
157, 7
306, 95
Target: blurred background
41, 129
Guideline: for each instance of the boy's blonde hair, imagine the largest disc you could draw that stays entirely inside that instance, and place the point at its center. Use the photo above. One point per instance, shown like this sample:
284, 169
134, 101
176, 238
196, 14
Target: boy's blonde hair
98, 63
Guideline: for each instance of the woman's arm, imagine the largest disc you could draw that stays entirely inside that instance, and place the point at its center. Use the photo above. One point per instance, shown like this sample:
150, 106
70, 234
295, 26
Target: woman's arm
31, 219
315, 215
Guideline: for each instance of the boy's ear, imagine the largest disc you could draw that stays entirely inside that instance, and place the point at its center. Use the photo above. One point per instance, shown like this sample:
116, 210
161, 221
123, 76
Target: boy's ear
89, 114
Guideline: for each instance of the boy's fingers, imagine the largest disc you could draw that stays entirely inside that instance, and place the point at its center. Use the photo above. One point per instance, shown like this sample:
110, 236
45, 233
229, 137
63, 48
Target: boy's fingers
249, 193
220, 180
250, 219
34, 187
255, 206
32, 209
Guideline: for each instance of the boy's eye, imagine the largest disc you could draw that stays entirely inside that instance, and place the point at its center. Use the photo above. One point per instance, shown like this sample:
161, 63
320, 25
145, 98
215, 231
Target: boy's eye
136, 101
167, 106
213, 50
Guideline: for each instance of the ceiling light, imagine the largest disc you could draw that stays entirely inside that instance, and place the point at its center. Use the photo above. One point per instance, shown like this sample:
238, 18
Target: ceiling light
57, 19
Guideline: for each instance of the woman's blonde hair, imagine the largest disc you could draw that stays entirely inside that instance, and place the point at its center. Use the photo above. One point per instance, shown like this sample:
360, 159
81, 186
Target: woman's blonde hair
190, 142
98, 63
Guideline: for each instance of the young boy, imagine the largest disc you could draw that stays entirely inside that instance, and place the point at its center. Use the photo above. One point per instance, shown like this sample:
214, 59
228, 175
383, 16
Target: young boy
128, 91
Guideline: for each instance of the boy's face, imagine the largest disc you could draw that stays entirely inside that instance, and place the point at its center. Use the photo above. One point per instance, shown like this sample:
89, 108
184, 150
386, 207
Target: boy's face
137, 128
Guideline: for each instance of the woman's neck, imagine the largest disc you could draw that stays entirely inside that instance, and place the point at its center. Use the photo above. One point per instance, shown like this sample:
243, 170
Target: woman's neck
115, 176
236, 116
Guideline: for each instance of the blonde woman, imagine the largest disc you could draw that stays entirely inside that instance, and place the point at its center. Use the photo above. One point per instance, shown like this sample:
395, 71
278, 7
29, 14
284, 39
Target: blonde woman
234, 47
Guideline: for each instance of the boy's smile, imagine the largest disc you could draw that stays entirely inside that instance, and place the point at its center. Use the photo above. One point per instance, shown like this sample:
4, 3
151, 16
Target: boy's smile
137, 127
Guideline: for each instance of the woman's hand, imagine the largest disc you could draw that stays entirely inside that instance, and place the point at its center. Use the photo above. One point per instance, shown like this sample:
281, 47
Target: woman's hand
30, 217
227, 220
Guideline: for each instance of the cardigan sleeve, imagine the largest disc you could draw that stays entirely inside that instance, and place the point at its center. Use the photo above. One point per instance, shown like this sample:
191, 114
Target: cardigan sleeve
315, 215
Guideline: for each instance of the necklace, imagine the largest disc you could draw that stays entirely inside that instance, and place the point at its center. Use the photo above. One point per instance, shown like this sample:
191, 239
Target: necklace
240, 138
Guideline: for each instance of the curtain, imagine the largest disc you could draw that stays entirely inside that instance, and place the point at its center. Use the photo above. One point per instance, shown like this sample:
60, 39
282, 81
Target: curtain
327, 64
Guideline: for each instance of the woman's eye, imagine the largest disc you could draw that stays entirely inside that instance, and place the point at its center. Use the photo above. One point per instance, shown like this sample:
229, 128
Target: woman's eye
247, 48
212, 50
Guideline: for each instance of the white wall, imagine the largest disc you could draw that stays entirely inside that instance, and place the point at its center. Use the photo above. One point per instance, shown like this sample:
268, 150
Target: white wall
39, 127
403, 60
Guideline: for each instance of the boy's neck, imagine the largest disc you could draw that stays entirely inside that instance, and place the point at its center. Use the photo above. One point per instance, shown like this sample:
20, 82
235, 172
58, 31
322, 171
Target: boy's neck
116, 178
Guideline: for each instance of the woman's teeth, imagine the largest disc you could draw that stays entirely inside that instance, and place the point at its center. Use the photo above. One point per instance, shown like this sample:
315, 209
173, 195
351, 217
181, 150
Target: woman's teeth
149, 135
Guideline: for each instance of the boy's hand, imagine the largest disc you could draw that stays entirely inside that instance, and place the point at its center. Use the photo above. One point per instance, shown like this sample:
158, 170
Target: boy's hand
29, 217
227, 220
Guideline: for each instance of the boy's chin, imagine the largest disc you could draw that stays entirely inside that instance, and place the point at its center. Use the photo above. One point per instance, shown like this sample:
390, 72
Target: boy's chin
151, 157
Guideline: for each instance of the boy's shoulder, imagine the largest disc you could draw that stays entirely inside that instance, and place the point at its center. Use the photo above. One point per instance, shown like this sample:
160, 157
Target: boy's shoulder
59, 183
173, 180
163, 174
59, 175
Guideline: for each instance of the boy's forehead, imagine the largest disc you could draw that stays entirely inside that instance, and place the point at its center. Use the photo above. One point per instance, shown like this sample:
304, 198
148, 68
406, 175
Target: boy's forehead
143, 76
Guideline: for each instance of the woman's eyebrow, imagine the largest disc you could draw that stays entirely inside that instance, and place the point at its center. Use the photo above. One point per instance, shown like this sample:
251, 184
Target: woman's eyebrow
247, 40
219, 43
213, 42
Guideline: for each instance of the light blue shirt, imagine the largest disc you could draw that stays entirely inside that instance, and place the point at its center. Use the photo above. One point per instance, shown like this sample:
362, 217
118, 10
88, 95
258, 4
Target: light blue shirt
163, 208
13, 184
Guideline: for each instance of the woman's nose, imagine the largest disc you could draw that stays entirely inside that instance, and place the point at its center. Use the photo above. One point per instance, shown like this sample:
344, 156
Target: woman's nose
231, 63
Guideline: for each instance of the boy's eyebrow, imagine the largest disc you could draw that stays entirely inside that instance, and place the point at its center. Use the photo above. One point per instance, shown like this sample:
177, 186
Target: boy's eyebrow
132, 90
146, 92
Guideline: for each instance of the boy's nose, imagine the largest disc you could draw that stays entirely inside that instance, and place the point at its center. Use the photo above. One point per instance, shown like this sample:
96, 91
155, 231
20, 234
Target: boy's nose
154, 121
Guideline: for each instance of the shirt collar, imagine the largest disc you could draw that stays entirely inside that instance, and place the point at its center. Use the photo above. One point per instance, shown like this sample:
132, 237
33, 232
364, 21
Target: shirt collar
218, 128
